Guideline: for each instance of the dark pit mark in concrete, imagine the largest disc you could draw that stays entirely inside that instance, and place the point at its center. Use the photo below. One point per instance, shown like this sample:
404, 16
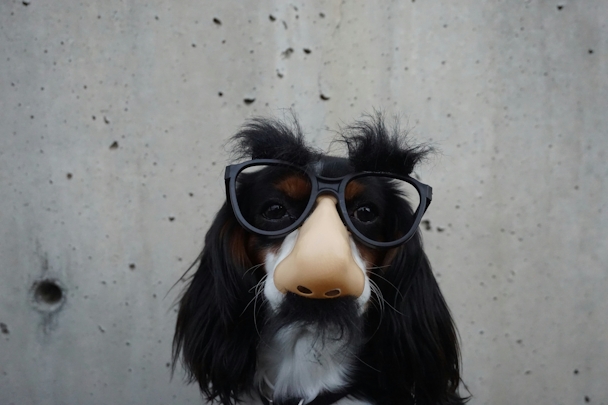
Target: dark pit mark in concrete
114, 145
287, 53
48, 292
4, 328
217, 21
248, 100
324, 97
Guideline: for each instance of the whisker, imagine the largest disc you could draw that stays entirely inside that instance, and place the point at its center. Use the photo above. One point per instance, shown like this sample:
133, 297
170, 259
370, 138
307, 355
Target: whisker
259, 292
378, 292
386, 266
380, 301
257, 289
254, 268
364, 363
390, 284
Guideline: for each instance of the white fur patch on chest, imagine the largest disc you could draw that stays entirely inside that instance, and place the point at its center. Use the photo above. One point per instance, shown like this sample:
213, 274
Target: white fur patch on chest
298, 363
255, 400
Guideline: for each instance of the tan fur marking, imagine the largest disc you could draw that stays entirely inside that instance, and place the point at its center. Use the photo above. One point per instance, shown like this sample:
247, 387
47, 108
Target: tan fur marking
238, 244
296, 187
353, 189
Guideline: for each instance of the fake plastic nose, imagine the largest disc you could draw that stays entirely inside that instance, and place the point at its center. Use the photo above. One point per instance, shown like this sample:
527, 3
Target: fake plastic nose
321, 264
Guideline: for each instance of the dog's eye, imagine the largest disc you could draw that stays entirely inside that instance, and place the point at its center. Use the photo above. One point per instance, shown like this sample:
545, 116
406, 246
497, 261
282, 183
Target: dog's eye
365, 214
274, 211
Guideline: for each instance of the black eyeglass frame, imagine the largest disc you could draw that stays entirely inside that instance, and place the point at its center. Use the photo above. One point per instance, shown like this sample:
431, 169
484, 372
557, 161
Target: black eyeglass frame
325, 185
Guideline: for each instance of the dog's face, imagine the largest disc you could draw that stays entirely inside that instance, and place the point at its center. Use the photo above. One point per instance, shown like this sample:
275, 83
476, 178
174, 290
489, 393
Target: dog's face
313, 277
319, 259
319, 228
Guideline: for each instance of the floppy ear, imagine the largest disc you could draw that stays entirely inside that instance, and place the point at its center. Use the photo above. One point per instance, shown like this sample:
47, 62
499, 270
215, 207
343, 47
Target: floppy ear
413, 340
215, 335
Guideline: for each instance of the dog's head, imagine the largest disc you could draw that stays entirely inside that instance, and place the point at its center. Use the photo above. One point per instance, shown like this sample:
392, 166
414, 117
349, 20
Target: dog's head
326, 247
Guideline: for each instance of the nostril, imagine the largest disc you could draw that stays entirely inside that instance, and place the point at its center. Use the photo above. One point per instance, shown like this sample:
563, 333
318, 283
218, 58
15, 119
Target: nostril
333, 293
304, 290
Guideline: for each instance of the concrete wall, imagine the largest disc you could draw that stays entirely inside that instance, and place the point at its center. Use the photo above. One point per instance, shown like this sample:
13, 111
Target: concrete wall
112, 120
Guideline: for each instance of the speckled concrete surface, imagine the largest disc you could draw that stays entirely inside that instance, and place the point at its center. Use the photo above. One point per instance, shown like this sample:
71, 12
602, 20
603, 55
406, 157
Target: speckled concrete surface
112, 124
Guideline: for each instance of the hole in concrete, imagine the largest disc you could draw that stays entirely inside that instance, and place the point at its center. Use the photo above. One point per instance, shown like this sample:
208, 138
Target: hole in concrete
304, 290
48, 292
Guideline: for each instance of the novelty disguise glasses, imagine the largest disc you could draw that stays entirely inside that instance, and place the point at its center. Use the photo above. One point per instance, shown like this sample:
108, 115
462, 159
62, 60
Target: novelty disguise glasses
272, 198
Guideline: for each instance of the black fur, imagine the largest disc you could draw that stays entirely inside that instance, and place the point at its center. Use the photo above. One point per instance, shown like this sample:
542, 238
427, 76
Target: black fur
374, 147
411, 344
215, 331
267, 139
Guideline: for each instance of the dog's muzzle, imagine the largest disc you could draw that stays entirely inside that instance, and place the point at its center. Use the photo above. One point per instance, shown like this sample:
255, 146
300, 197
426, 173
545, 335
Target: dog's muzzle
321, 264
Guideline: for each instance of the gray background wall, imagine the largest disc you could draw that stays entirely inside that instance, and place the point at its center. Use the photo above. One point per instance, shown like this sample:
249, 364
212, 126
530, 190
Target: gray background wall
112, 123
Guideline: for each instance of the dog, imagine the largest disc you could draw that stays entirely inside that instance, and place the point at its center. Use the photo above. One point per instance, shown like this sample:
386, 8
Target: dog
313, 286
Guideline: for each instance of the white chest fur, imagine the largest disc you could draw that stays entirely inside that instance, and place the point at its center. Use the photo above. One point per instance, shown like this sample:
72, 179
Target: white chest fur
298, 362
